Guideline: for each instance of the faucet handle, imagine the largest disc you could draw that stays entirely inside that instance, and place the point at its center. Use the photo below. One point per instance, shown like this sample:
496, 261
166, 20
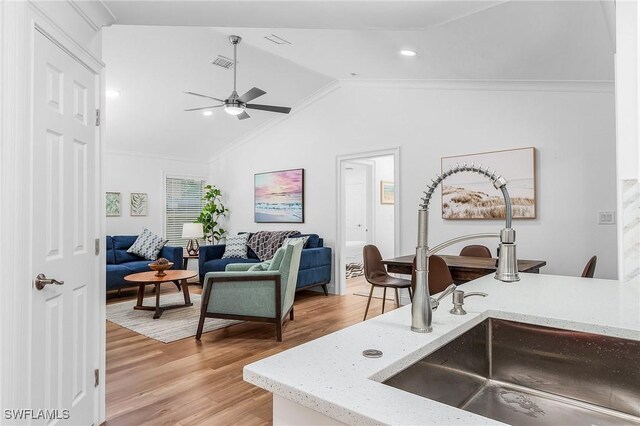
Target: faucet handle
435, 301
458, 301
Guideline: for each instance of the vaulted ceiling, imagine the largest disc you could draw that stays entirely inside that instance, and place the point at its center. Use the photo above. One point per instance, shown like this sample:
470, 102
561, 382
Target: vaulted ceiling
158, 50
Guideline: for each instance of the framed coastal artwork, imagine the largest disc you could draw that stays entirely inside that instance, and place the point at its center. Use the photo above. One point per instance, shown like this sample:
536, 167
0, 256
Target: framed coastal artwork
387, 194
469, 195
139, 203
279, 197
112, 204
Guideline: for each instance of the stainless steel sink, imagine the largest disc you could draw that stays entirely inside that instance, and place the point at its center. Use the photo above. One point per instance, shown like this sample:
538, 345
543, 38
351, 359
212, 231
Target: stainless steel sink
531, 375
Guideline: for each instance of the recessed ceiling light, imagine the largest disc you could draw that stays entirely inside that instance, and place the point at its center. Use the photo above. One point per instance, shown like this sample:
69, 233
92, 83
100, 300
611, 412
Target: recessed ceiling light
112, 93
207, 113
407, 52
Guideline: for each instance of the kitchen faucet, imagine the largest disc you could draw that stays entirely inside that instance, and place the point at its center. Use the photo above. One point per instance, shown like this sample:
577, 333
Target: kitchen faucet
421, 309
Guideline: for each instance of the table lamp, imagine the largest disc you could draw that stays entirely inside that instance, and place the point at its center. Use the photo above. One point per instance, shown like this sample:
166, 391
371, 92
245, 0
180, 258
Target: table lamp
193, 231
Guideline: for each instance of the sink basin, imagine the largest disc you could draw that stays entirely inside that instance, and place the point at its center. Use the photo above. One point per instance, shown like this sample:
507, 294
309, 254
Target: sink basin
531, 375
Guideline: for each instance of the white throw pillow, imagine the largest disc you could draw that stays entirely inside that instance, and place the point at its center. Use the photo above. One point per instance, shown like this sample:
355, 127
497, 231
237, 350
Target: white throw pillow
147, 245
236, 247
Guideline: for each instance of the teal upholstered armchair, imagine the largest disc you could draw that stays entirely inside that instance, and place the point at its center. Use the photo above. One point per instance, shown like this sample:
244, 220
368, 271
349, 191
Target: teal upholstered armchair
253, 292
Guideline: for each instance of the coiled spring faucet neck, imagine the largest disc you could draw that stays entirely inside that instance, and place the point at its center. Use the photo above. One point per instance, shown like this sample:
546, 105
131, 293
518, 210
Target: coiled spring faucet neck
498, 182
421, 312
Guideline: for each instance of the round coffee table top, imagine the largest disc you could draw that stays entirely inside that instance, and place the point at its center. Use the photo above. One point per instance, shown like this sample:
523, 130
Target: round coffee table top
170, 275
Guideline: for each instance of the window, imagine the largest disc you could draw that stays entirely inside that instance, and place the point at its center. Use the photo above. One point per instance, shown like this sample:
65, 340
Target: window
183, 205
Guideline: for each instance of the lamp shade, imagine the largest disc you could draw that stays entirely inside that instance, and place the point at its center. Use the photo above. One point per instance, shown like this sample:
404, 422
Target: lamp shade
192, 230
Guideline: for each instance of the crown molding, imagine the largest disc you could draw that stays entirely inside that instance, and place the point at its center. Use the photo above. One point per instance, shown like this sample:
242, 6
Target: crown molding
85, 17
598, 86
299, 106
109, 11
147, 155
78, 40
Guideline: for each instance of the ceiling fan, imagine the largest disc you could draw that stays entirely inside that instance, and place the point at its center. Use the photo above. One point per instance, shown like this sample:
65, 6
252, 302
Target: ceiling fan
234, 104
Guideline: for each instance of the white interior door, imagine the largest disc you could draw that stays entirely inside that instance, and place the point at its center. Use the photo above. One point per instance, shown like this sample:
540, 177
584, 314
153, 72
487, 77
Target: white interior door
357, 189
356, 204
356, 213
64, 317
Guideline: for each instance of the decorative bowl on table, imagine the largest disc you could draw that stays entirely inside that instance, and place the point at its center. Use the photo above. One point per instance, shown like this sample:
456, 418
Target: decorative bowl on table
160, 266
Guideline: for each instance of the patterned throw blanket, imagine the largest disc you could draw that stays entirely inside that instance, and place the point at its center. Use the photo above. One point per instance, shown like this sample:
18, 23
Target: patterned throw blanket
265, 243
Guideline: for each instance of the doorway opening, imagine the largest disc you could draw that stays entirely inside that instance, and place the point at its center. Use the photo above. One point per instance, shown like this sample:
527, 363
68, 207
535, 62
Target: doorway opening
368, 212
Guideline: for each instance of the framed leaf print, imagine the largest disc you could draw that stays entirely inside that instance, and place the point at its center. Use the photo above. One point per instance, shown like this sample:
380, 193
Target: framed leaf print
139, 204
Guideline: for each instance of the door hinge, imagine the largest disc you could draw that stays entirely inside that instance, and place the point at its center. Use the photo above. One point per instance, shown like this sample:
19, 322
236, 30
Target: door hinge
96, 372
97, 246
97, 117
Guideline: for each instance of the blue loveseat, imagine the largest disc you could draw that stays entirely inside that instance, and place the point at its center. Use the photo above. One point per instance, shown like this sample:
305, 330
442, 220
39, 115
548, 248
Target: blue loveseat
120, 263
315, 262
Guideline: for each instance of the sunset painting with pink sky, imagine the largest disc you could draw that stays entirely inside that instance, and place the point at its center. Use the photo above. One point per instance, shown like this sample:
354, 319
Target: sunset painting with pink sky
279, 196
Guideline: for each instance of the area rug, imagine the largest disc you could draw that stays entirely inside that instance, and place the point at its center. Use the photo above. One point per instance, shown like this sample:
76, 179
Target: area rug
354, 270
174, 324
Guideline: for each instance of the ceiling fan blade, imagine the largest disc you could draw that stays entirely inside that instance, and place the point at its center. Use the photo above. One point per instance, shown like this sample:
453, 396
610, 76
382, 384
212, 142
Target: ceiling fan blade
271, 108
207, 107
203, 96
251, 95
243, 116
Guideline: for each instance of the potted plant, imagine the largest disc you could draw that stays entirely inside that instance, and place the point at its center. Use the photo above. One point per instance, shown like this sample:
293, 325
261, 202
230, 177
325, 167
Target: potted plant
211, 213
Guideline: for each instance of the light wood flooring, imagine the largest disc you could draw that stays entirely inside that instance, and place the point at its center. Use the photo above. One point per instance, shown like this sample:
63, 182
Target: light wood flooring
200, 383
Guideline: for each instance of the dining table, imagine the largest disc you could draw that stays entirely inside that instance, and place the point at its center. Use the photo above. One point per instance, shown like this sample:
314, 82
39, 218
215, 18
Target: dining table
463, 268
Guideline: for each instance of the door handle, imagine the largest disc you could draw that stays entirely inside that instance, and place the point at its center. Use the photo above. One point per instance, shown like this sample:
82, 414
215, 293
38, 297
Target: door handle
42, 280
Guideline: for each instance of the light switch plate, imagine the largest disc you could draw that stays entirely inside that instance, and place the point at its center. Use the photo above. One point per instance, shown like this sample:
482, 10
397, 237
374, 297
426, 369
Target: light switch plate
606, 218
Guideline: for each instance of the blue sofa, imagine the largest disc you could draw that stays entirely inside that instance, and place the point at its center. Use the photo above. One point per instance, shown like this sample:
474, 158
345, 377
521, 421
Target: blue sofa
315, 262
120, 263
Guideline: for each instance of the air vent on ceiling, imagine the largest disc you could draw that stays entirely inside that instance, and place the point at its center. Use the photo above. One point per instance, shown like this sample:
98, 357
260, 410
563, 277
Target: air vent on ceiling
276, 39
223, 61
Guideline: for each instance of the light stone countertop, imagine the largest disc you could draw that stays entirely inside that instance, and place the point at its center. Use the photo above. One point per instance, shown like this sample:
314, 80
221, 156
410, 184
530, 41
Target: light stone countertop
330, 375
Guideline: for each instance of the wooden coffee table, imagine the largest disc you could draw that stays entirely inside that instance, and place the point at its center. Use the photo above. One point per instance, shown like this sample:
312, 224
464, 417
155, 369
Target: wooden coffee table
172, 275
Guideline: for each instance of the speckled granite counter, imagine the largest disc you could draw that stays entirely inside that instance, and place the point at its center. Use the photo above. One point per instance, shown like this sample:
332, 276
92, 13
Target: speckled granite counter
331, 377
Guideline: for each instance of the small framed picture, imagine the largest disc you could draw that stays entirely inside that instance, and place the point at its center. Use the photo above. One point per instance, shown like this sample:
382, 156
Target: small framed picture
112, 203
387, 192
139, 203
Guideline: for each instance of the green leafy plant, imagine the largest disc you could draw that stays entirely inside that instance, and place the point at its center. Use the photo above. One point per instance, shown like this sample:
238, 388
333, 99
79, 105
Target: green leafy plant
211, 213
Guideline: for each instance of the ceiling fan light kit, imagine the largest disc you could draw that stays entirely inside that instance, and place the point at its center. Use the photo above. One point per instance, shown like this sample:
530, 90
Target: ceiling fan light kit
234, 109
234, 104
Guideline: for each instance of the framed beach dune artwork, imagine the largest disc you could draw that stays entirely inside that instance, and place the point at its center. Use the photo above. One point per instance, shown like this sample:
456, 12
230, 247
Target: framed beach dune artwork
279, 197
469, 195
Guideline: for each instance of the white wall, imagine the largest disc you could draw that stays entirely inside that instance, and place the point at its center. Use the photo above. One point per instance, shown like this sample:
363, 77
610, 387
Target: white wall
628, 160
571, 125
127, 173
627, 97
383, 213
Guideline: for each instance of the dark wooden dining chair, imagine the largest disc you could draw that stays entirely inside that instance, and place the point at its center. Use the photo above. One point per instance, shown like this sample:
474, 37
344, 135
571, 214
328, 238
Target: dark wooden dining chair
476, 251
589, 268
439, 275
376, 275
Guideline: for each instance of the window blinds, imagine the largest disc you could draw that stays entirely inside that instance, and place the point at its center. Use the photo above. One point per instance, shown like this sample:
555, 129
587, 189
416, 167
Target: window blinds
183, 205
